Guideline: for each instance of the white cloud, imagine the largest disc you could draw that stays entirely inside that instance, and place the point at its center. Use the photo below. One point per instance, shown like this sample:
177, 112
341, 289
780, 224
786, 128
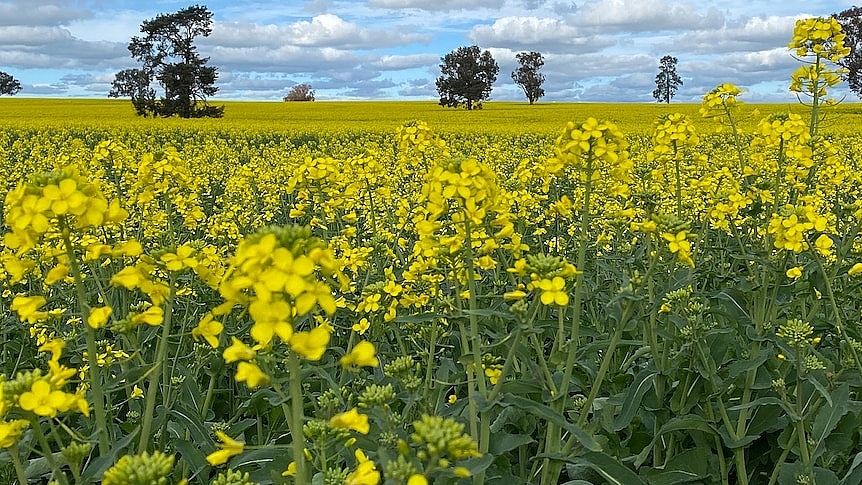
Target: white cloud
437, 5
535, 32
27, 12
326, 30
396, 63
645, 16
751, 34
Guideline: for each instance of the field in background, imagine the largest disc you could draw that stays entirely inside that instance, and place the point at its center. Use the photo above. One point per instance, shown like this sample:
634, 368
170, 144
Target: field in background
383, 116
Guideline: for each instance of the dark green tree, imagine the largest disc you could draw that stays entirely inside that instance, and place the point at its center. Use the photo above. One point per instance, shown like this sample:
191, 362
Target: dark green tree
169, 57
528, 77
468, 74
851, 25
8, 84
666, 81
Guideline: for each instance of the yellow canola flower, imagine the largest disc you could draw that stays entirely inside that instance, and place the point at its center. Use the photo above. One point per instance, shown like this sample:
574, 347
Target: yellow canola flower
553, 291
28, 308
362, 355
312, 344
291, 470
42, 400
366, 472
10, 432
182, 258
270, 318
855, 269
794, 272
237, 351
361, 326
227, 449
208, 329
137, 392
98, 317
351, 420
417, 479
251, 374
152, 316
55, 347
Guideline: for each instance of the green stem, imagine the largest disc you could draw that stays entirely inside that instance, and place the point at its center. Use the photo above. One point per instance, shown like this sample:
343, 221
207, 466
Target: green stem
156, 376
46, 450
484, 424
296, 419
90, 336
208, 397
16, 462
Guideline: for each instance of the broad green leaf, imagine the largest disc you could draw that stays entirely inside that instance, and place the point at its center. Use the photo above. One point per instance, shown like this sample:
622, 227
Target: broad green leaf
643, 382
97, 467
609, 468
549, 414
854, 474
503, 442
687, 423
191, 421
827, 417
191, 453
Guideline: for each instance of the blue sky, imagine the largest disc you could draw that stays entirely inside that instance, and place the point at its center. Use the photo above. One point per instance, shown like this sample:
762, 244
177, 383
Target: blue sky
595, 50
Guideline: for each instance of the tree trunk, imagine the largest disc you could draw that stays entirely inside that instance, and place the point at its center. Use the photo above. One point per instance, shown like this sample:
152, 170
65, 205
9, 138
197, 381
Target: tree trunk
469, 105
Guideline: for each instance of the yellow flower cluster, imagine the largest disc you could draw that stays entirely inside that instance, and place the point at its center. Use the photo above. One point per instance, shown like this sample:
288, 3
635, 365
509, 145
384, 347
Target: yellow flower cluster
791, 226
34, 394
673, 130
720, 100
276, 275
55, 201
819, 36
593, 148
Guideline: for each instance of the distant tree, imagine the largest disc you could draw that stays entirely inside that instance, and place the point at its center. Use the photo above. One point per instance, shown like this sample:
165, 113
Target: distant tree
8, 84
300, 92
667, 81
468, 74
851, 25
169, 57
528, 77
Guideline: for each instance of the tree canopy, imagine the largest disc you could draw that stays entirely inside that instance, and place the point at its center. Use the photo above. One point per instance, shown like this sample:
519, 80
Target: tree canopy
467, 76
8, 84
851, 25
169, 57
667, 81
528, 77
300, 92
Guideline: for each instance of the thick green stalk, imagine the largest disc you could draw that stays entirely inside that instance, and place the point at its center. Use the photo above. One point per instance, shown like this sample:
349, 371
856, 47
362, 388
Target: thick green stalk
551, 471
156, 376
90, 336
484, 424
16, 462
296, 420
46, 450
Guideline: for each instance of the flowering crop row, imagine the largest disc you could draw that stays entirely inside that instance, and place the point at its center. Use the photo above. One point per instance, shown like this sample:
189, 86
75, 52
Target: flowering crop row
251, 307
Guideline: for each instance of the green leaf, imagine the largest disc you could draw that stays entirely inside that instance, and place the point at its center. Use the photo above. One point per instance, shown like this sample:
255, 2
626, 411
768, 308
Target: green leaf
642, 383
549, 414
192, 422
687, 423
97, 467
192, 454
741, 366
854, 474
612, 470
828, 417
505, 442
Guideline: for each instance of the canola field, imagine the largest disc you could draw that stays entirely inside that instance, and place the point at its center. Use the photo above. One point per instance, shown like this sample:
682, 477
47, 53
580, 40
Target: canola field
395, 293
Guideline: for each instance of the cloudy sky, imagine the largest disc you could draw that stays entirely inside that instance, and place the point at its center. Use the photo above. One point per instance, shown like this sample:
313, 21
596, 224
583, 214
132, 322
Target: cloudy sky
595, 50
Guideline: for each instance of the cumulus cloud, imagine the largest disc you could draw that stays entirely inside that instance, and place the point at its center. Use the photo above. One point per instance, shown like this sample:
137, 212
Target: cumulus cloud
533, 32
29, 12
749, 34
437, 5
399, 62
326, 30
646, 16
